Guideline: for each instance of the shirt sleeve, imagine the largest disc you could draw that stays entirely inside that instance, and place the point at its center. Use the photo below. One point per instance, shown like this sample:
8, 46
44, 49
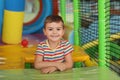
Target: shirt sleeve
39, 50
68, 48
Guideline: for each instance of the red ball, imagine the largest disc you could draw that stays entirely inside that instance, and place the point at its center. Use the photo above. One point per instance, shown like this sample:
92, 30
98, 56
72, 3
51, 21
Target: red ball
24, 43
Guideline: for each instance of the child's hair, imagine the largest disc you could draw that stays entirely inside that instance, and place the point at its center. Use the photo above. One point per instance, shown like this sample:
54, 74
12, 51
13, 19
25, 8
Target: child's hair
53, 18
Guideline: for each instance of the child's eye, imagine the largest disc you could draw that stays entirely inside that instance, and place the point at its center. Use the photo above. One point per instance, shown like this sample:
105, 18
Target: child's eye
58, 29
50, 29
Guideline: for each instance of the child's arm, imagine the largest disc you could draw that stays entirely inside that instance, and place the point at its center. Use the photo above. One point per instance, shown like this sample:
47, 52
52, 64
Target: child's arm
68, 64
39, 63
68, 61
48, 69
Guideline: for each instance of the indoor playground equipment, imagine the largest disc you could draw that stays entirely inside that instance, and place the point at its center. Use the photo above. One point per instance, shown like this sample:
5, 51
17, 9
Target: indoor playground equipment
13, 29
9, 39
91, 73
13, 20
37, 23
96, 39
1, 15
99, 33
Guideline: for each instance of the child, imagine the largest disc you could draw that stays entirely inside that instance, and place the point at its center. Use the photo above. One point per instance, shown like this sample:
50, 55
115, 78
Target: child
54, 53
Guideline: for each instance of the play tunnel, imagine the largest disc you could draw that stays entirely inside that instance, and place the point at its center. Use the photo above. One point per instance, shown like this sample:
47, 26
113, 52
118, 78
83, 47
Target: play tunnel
38, 22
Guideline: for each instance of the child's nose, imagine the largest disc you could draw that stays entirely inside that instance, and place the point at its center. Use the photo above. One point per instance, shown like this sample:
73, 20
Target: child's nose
54, 31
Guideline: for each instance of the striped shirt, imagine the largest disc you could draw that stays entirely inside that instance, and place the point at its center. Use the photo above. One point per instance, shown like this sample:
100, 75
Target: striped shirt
54, 55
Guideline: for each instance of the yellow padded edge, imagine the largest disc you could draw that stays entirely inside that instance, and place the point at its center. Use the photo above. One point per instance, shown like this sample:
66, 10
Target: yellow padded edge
12, 27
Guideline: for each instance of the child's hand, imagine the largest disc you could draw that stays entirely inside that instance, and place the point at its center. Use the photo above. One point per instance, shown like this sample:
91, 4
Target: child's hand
48, 69
61, 66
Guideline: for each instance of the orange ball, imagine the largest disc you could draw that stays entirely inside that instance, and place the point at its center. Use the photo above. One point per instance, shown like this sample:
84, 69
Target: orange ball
24, 43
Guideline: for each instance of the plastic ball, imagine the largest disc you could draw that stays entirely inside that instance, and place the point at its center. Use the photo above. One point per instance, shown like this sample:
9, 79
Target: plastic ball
24, 43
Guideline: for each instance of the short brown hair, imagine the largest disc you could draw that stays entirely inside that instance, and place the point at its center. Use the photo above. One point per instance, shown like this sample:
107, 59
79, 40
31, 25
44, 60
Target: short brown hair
53, 18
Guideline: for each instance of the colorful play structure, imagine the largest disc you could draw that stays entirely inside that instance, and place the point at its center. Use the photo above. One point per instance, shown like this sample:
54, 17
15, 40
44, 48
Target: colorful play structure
94, 31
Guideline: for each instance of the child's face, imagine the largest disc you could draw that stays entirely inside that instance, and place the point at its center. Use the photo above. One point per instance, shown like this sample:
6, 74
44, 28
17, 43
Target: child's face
54, 31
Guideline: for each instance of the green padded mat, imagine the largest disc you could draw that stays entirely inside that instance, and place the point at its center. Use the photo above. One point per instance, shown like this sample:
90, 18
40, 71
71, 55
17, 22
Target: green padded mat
86, 73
